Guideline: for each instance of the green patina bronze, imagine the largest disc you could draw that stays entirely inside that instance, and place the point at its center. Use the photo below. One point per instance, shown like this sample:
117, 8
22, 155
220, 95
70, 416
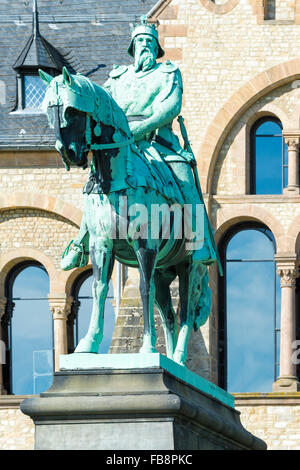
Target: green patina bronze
137, 165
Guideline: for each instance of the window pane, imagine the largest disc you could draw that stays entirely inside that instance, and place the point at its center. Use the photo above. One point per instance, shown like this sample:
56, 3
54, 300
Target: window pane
250, 313
250, 244
31, 330
268, 165
34, 91
270, 159
85, 311
269, 128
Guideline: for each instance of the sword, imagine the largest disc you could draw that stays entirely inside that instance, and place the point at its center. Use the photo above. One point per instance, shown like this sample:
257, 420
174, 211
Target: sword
188, 148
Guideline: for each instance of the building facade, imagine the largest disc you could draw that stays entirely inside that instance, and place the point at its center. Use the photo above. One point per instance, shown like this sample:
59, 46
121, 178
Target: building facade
241, 74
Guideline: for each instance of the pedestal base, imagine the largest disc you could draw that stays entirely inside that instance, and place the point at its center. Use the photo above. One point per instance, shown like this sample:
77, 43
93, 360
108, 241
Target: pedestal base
162, 406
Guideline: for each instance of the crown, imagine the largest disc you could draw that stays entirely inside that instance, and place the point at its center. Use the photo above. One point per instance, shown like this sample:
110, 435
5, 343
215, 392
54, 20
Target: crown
144, 27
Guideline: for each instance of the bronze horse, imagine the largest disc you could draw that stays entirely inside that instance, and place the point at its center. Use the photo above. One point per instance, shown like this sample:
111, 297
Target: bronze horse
86, 118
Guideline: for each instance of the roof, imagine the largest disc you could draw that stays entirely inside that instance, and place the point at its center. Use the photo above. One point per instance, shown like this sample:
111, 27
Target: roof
90, 35
38, 52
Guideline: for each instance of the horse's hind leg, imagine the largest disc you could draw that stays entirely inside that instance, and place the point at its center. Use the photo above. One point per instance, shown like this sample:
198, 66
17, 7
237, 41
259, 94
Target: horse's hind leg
163, 302
103, 261
147, 260
190, 279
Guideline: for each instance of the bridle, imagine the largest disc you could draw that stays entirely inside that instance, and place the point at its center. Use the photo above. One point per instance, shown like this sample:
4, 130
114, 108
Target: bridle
90, 146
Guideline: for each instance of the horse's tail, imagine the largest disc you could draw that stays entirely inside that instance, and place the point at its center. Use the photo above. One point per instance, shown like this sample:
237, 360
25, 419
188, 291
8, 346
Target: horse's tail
203, 306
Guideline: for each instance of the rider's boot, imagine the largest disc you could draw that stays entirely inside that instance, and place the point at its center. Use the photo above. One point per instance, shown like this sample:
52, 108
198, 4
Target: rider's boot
76, 254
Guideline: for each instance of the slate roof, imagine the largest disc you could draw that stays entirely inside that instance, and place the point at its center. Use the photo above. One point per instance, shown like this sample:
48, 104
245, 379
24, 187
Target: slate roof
90, 36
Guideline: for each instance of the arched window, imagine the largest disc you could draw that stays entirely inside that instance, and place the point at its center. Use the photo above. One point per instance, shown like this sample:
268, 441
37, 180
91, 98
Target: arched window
269, 157
79, 319
28, 330
249, 310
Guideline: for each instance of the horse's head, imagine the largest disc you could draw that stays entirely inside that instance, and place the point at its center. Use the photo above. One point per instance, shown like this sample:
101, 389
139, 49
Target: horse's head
68, 102
77, 109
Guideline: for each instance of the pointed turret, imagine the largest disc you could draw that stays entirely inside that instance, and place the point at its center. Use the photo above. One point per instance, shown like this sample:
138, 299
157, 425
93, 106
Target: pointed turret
38, 52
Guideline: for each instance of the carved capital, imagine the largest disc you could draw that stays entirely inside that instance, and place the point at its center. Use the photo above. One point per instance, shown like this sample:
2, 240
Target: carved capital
60, 307
292, 143
292, 139
288, 276
3, 302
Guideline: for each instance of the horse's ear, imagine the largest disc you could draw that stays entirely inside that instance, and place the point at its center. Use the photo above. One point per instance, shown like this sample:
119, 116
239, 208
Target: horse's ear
45, 77
68, 79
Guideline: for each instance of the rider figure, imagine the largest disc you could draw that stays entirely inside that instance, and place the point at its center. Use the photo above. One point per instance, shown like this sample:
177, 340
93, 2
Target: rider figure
150, 94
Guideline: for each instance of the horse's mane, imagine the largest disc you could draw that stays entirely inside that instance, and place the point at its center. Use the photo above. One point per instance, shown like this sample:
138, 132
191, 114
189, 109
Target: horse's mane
79, 92
107, 111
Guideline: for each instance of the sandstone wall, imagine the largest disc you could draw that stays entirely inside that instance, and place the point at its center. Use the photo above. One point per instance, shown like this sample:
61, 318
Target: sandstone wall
16, 429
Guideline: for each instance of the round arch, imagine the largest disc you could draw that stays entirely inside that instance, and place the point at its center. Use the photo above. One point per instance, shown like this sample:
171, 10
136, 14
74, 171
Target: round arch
269, 110
219, 9
230, 230
69, 278
41, 202
230, 216
239, 102
294, 234
12, 258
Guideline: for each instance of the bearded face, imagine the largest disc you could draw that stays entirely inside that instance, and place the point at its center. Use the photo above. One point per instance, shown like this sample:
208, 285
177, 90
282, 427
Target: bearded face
145, 52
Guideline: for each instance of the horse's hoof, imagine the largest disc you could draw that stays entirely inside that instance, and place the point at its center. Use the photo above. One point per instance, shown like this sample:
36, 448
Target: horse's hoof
87, 346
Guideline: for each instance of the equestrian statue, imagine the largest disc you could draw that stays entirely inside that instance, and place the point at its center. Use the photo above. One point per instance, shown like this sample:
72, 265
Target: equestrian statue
139, 167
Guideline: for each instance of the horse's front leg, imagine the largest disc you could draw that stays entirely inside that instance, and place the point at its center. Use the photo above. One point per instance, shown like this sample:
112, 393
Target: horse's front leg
102, 261
147, 261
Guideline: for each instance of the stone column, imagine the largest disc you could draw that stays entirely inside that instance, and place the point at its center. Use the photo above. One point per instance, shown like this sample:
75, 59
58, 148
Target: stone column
60, 307
3, 302
287, 380
292, 139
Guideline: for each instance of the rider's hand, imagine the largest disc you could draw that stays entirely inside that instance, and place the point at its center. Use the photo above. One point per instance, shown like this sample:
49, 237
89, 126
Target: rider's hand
189, 157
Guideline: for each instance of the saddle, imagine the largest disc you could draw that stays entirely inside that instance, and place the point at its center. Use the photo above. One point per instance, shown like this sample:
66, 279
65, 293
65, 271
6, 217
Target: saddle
161, 177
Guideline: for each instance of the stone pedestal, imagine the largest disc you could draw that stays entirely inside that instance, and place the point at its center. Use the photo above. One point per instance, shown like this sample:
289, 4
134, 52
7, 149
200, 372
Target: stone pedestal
134, 402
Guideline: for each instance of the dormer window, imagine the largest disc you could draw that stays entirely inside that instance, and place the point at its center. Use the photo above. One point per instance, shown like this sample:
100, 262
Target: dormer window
37, 54
33, 91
